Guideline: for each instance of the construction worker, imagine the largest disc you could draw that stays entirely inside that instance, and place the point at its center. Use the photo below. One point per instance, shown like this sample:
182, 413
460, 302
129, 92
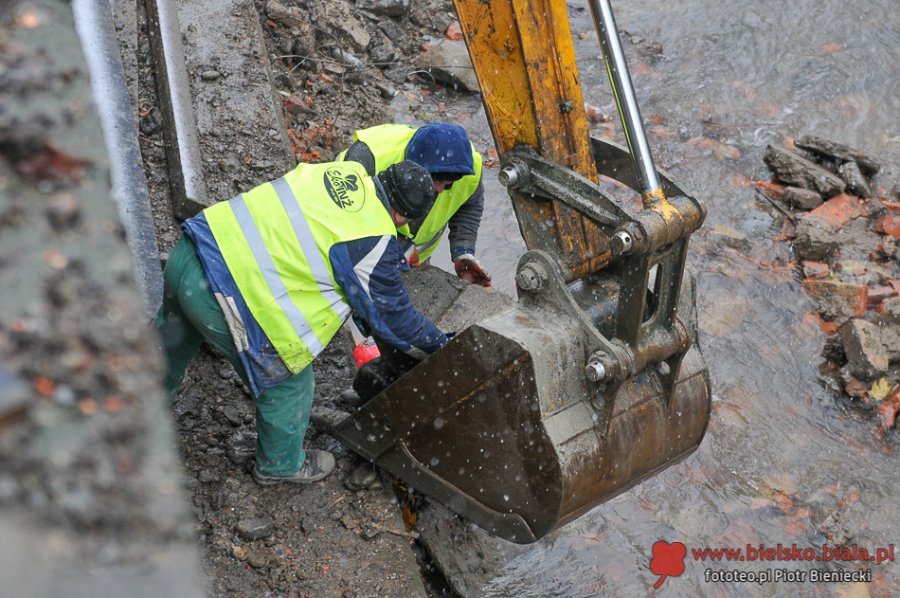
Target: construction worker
269, 277
446, 152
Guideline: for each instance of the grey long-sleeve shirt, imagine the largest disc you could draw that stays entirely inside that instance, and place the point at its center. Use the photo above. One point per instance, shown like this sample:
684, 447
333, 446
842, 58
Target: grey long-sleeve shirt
463, 224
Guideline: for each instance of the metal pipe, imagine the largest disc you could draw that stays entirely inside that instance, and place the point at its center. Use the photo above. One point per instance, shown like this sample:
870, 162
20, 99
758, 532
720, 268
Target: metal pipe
623, 90
96, 30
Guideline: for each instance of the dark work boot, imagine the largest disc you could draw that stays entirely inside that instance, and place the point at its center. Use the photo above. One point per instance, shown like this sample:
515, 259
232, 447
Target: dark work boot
372, 378
317, 466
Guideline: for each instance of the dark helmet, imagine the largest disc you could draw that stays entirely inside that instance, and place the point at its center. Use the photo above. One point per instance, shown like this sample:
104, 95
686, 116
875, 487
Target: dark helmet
409, 188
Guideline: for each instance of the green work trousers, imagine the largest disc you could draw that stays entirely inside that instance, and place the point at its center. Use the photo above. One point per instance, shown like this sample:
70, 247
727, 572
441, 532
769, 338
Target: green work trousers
188, 316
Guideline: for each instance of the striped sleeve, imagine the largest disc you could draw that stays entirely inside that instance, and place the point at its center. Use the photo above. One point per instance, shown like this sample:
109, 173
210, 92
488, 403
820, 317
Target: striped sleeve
368, 271
465, 222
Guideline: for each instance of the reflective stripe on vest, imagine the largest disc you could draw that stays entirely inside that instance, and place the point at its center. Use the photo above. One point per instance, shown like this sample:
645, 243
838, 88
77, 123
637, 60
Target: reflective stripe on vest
270, 274
321, 272
276, 240
388, 144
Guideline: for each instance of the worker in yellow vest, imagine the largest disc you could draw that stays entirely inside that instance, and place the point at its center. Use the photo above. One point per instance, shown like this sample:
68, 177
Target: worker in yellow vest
455, 167
269, 277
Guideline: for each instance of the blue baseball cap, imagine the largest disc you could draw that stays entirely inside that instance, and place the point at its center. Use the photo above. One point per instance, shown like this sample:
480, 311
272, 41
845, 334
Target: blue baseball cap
442, 148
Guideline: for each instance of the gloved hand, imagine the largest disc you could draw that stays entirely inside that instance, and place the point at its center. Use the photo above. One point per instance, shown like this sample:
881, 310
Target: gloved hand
470, 269
413, 259
365, 352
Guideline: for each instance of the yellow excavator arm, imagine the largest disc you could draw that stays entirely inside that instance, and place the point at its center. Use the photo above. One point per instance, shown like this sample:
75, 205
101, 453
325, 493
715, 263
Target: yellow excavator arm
524, 59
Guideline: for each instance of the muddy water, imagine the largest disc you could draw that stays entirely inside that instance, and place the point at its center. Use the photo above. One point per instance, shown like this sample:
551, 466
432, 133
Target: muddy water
783, 462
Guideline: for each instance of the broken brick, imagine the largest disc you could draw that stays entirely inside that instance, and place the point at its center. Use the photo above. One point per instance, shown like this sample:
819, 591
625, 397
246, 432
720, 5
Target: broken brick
595, 115
454, 32
839, 210
878, 294
813, 269
827, 328
888, 411
773, 190
491, 158
889, 224
43, 386
297, 104
838, 300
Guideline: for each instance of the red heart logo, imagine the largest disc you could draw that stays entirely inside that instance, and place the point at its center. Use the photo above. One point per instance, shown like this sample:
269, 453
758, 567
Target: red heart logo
668, 559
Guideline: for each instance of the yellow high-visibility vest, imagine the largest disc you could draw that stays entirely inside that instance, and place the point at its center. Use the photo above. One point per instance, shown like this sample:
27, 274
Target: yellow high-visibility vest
388, 144
276, 241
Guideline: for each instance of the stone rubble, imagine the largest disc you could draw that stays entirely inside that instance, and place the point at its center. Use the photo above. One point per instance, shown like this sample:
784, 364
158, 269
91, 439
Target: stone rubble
846, 238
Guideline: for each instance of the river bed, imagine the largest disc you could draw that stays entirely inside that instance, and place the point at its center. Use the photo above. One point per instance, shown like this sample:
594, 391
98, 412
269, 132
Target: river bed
784, 461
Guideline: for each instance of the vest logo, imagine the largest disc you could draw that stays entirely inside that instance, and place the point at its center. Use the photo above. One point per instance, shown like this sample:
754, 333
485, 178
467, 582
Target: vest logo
345, 190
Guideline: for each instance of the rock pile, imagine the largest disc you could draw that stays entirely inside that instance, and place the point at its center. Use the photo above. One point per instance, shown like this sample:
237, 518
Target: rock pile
845, 229
339, 64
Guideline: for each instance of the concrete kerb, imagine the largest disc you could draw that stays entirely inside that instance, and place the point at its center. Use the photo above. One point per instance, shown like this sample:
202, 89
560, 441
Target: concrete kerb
94, 23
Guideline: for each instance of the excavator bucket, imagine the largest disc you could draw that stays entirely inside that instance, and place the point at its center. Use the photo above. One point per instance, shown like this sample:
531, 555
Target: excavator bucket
502, 426
541, 408
510, 424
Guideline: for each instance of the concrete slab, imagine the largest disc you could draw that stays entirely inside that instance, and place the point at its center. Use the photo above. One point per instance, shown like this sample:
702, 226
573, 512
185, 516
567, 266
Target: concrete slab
242, 134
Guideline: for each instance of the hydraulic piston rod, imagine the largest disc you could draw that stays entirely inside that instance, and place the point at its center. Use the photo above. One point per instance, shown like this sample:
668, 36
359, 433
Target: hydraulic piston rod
623, 90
